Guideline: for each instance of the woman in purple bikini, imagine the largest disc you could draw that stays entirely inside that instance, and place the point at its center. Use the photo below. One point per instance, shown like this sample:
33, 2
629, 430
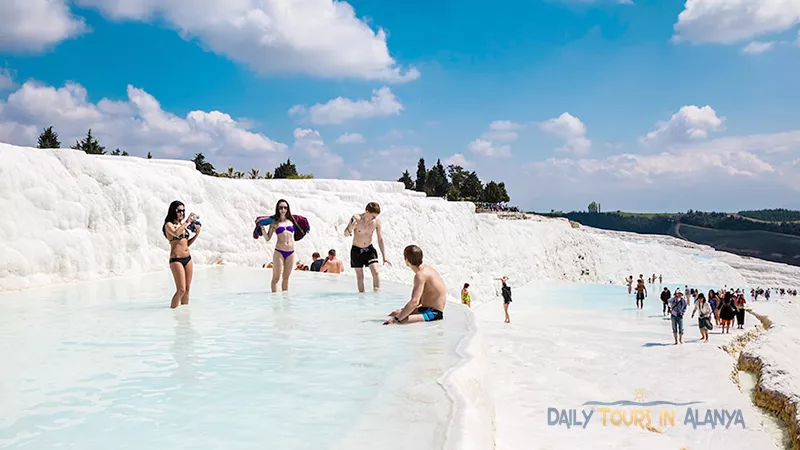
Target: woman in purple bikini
283, 257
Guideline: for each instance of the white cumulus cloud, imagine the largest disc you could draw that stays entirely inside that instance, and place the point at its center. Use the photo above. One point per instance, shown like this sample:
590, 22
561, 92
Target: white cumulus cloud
488, 148
757, 47
389, 163
321, 38
6, 80
572, 130
34, 25
729, 21
502, 131
340, 109
351, 138
137, 125
457, 159
316, 156
689, 123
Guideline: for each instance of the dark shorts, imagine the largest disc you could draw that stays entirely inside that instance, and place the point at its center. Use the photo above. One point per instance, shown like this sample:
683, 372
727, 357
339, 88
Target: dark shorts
640, 296
363, 257
431, 314
183, 261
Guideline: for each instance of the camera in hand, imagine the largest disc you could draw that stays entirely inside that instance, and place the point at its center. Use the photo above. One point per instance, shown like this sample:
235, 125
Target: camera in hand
192, 226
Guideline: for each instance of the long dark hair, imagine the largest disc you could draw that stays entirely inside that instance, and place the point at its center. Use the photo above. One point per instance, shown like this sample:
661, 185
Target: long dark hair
277, 215
172, 215
711, 294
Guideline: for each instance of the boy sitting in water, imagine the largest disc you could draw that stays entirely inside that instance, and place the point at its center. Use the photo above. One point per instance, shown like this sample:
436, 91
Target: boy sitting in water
428, 296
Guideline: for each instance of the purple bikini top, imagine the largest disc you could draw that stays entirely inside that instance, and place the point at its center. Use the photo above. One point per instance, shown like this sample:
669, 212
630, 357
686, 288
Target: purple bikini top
280, 230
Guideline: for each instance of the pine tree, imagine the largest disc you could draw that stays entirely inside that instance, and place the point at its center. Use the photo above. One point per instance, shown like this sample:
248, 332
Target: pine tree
286, 170
472, 188
422, 176
203, 166
437, 184
89, 145
149, 156
503, 193
406, 180
492, 193
49, 139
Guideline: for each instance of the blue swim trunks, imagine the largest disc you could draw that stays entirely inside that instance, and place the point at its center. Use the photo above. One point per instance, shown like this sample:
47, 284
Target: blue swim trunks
431, 314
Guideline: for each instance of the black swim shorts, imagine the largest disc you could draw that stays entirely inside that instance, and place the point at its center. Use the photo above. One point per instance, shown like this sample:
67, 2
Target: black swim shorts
640, 296
363, 257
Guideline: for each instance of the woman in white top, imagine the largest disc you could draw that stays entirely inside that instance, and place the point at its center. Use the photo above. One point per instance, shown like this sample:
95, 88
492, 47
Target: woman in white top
705, 311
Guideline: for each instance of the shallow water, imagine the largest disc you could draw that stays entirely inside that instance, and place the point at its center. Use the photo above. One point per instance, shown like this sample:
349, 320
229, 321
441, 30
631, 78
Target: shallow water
108, 365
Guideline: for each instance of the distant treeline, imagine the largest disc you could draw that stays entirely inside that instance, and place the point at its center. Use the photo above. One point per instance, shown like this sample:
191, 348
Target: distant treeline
454, 184
665, 223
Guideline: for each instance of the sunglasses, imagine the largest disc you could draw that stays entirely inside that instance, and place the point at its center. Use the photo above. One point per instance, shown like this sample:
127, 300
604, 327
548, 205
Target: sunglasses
283, 207
181, 211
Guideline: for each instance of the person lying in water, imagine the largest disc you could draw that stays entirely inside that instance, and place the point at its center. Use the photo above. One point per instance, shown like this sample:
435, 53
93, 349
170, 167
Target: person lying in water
428, 296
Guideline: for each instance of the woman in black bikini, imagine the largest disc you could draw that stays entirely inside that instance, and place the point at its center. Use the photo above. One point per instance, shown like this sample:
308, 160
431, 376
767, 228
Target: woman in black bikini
180, 261
283, 256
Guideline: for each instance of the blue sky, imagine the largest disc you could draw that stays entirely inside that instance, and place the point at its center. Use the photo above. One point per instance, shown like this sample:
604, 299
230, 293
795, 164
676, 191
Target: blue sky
640, 105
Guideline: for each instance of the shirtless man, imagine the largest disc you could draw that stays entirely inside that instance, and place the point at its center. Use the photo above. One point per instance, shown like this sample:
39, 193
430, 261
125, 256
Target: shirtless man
428, 297
363, 253
641, 292
332, 265
629, 282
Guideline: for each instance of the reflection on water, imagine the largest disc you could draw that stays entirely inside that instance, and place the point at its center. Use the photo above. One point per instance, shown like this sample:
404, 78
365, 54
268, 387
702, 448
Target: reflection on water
183, 349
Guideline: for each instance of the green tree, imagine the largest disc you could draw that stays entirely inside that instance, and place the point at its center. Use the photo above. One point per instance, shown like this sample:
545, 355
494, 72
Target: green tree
422, 176
149, 156
203, 166
472, 188
492, 193
286, 170
229, 173
437, 184
238, 175
267, 175
89, 145
457, 176
593, 207
504, 193
49, 139
254, 174
301, 176
406, 180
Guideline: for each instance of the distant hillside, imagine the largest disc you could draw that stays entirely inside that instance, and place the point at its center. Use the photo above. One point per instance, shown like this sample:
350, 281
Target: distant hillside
782, 248
750, 235
772, 215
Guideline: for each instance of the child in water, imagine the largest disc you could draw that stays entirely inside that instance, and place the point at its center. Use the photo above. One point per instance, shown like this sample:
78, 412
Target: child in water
465, 296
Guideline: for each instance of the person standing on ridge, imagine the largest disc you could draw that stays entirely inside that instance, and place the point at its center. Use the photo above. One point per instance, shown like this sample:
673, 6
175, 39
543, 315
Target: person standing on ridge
180, 261
641, 292
362, 253
506, 293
